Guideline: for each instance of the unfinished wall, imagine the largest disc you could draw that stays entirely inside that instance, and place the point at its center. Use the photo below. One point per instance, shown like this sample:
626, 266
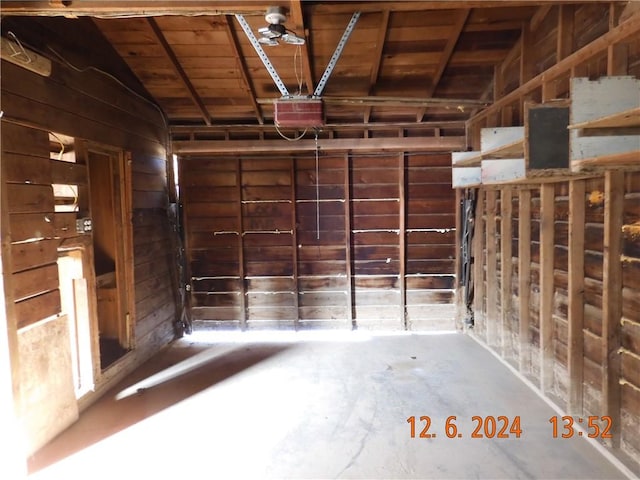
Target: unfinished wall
566, 313
91, 109
367, 240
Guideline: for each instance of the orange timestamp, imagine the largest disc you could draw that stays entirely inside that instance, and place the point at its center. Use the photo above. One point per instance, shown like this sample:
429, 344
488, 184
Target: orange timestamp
485, 427
597, 427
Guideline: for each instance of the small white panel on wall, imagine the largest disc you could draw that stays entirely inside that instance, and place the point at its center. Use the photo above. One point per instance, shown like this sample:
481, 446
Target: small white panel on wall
503, 170
493, 138
458, 158
465, 176
593, 99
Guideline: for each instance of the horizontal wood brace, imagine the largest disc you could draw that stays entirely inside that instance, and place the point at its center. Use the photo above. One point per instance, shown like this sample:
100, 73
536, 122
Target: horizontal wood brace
411, 144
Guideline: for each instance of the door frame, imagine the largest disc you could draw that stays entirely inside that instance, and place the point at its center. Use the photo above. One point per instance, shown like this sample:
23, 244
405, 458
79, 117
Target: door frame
124, 238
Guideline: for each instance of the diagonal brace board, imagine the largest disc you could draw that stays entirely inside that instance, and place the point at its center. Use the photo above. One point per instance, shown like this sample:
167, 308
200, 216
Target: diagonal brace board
336, 55
263, 56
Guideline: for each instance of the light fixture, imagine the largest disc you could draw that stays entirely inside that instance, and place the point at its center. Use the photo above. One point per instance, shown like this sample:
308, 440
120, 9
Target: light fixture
276, 30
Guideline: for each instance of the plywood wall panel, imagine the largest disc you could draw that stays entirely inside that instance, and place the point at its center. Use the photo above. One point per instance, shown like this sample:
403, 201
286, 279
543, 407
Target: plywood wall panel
22, 168
35, 281
33, 254
37, 308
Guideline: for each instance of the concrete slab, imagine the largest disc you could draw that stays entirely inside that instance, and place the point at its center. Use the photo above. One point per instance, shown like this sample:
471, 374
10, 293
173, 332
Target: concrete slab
317, 405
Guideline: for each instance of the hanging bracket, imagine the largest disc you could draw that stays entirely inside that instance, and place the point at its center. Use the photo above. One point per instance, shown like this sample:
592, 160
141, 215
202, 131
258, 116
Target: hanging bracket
263, 56
336, 55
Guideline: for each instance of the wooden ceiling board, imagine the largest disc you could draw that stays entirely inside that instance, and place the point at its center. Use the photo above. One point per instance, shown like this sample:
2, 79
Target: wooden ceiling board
413, 49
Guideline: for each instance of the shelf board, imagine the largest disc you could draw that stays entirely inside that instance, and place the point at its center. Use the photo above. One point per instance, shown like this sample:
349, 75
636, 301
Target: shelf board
616, 159
626, 118
510, 150
466, 159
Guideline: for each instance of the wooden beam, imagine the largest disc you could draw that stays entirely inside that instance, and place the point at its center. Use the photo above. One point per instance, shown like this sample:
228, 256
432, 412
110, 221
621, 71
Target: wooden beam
377, 58
457, 28
514, 52
486, 95
114, 8
612, 298
396, 101
241, 271
402, 237
617, 54
620, 33
242, 67
526, 54
547, 237
297, 20
524, 280
412, 144
566, 23
294, 245
506, 270
539, 16
491, 290
404, 6
175, 63
575, 314
478, 265
194, 129
348, 239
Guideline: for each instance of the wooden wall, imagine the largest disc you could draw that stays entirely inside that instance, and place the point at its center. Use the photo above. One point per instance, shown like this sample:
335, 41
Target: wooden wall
566, 312
89, 107
376, 250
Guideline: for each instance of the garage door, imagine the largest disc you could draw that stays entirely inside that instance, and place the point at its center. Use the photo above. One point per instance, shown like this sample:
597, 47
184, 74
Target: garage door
347, 241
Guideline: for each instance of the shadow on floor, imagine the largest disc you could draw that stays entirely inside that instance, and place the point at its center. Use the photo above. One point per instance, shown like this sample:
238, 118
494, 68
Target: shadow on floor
170, 377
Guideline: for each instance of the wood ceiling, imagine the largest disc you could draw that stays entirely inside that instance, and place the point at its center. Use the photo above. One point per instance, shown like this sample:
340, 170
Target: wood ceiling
406, 63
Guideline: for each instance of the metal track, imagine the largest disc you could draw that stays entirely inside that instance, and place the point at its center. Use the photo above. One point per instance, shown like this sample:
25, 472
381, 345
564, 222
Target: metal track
336, 55
263, 56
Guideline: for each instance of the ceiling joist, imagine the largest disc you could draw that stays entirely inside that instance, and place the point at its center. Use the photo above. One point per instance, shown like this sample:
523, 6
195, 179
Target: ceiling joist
242, 67
397, 102
399, 144
446, 56
145, 8
298, 26
375, 70
175, 63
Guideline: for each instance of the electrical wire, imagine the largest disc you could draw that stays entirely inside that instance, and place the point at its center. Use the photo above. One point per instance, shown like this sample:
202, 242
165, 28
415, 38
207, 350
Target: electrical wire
61, 152
291, 139
115, 79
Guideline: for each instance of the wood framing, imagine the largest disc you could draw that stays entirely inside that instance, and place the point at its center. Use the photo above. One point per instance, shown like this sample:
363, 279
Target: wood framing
242, 67
575, 281
506, 270
179, 70
439, 144
524, 280
612, 298
492, 333
547, 200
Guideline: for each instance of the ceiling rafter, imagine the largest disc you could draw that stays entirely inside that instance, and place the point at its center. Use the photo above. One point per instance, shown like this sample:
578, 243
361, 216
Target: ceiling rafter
486, 95
375, 71
179, 70
539, 17
299, 27
235, 46
411, 6
446, 56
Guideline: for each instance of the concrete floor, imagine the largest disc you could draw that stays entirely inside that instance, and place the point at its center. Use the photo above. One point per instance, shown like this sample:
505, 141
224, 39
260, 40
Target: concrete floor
320, 405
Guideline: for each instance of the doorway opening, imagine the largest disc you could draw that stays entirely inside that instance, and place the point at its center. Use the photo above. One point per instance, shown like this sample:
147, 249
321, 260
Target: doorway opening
110, 205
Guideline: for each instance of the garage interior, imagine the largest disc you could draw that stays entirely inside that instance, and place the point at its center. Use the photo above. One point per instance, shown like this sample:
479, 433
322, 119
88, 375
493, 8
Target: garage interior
252, 239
